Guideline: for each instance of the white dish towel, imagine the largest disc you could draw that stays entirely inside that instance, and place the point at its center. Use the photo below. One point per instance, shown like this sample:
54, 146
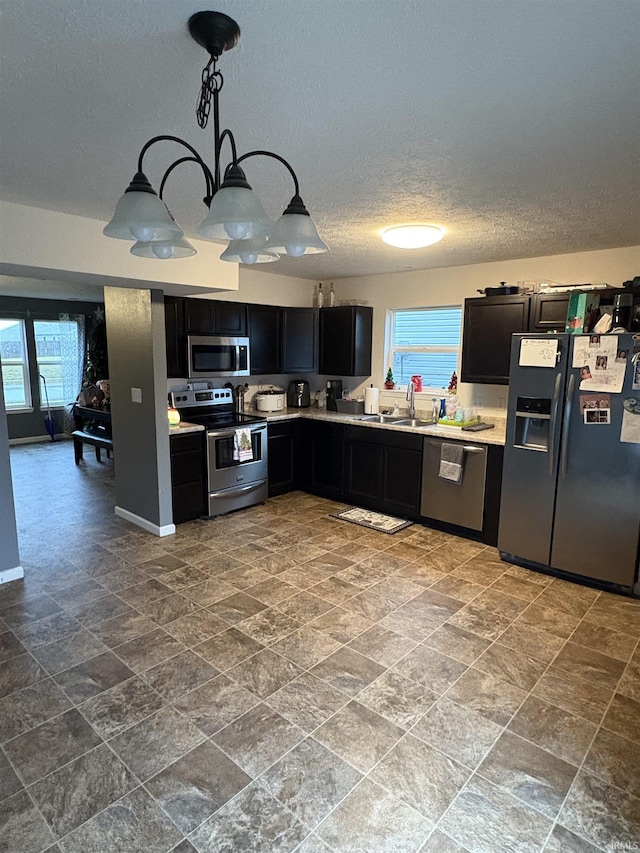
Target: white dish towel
242, 449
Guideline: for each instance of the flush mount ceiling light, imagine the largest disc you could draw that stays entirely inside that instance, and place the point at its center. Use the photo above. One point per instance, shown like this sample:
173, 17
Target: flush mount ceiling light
412, 236
235, 213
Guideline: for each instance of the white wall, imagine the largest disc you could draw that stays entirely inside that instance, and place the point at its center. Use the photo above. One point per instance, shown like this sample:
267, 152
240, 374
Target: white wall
452, 285
45, 244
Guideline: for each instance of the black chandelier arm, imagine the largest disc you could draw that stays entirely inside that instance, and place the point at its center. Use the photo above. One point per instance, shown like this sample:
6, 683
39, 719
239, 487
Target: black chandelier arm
208, 176
275, 157
173, 166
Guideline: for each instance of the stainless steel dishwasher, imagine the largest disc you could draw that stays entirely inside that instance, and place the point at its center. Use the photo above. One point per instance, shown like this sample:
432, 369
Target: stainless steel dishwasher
443, 500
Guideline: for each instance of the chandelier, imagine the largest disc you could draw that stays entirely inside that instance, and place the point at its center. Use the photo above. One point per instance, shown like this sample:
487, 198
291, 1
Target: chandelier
235, 214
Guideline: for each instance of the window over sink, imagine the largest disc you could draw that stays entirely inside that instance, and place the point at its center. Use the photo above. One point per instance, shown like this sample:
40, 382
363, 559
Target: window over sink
424, 342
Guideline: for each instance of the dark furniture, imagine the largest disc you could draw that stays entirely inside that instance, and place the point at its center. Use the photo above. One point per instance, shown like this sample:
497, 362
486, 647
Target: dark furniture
92, 426
285, 457
215, 317
325, 449
489, 322
299, 340
345, 341
383, 470
175, 336
265, 331
187, 476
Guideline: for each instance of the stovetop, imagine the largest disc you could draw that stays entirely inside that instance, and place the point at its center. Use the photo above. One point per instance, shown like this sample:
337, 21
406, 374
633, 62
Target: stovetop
212, 408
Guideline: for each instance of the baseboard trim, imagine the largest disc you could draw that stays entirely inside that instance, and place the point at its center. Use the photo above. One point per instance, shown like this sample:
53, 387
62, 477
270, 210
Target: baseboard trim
8, 575
39, 439
157, 530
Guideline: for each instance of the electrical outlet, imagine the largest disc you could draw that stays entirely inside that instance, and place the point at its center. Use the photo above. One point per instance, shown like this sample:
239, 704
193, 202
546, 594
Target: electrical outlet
136, 395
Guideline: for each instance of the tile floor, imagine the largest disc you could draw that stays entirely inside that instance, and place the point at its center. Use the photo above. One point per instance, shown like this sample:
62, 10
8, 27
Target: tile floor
278, 680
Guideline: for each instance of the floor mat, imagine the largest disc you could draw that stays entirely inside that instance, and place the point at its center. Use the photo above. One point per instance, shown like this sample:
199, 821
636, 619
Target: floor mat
374, 520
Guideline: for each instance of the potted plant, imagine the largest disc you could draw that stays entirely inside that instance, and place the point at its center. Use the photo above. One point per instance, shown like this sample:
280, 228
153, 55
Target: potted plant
388, 382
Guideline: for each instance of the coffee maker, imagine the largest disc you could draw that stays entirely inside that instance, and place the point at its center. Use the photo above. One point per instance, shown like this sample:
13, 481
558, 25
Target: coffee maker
298, 396
334, 392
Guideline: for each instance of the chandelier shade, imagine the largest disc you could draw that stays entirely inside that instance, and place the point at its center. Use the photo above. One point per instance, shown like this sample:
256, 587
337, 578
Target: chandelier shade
235, 214
295, 233
176, 247
249, 252
141, 215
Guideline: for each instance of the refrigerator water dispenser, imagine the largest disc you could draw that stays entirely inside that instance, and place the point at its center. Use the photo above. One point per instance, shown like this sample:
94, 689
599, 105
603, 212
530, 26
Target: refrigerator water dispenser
533, 418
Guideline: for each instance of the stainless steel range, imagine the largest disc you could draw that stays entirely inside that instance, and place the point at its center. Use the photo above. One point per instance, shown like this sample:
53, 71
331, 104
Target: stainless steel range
236, 446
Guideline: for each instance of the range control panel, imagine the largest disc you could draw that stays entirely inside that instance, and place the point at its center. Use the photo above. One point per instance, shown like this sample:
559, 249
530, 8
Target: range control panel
209, 397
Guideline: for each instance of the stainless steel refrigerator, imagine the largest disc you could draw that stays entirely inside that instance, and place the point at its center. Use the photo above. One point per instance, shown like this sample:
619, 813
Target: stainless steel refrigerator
571, 487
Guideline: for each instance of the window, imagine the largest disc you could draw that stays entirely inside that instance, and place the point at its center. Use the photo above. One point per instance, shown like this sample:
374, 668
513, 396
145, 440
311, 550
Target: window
15, 364
58, 355
426, 342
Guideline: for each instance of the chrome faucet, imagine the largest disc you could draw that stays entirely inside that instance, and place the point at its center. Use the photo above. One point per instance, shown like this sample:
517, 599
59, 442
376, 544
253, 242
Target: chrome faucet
411, 388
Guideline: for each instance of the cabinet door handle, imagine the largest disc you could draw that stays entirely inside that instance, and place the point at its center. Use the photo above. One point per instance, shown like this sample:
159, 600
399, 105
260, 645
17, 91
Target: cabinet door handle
469, 449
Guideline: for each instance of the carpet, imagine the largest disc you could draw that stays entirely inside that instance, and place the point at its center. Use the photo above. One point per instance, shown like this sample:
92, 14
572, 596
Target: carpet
373, 520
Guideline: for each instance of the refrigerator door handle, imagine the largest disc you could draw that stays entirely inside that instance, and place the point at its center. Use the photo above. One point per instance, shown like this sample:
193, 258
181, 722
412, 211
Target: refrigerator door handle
552, 425
565, 426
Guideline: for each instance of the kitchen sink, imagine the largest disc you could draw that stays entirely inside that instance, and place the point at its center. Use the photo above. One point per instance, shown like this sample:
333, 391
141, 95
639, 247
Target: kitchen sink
414, 422
380, 419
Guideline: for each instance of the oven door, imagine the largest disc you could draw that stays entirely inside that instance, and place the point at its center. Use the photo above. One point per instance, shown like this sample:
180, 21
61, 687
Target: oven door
225, 472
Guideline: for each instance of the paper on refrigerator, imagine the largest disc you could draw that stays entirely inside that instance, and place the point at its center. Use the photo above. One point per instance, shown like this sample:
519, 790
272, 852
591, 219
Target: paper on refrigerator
630, 431
602, 365
538, 353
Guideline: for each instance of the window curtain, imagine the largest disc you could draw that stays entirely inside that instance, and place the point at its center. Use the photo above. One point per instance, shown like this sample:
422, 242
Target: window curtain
72, 335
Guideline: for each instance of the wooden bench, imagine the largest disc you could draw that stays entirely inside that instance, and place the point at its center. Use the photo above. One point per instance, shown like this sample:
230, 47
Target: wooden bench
93, 426
81, 437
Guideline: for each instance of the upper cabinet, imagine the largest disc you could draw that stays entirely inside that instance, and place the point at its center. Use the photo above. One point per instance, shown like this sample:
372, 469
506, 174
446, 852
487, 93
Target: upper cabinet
345, 340
489, 322
209, 317
175, 337
299, 340
265, 336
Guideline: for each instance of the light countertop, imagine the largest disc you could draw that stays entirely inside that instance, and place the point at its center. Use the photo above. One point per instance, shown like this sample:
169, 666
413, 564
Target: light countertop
488, 436
184, 427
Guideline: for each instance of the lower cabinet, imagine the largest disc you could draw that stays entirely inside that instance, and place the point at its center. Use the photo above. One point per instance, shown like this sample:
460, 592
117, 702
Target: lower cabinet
285, 457
383, 470
187, 476
324, 445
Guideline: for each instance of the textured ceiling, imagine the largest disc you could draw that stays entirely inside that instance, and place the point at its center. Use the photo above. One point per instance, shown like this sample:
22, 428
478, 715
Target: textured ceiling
513, 124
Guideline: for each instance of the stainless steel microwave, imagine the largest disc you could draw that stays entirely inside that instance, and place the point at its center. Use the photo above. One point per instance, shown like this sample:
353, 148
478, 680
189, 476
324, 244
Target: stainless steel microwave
211, 355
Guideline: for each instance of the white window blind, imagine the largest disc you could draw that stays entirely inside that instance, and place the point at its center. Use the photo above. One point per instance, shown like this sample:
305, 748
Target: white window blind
426, 342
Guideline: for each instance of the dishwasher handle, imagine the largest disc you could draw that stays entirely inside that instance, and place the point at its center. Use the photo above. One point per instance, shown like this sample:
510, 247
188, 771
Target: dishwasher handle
468, 448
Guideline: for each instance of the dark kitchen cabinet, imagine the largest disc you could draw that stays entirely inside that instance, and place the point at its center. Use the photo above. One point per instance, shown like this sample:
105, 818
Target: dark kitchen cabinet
383, 470
265, 336
210, 317
230, 319
187, 476
300, 340
489, 322
285, 456
175, 337
345, 340
325, 445
548, 312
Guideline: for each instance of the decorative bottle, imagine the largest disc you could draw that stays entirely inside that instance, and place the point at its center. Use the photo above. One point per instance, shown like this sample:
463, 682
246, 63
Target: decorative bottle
320, 295
332, 296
